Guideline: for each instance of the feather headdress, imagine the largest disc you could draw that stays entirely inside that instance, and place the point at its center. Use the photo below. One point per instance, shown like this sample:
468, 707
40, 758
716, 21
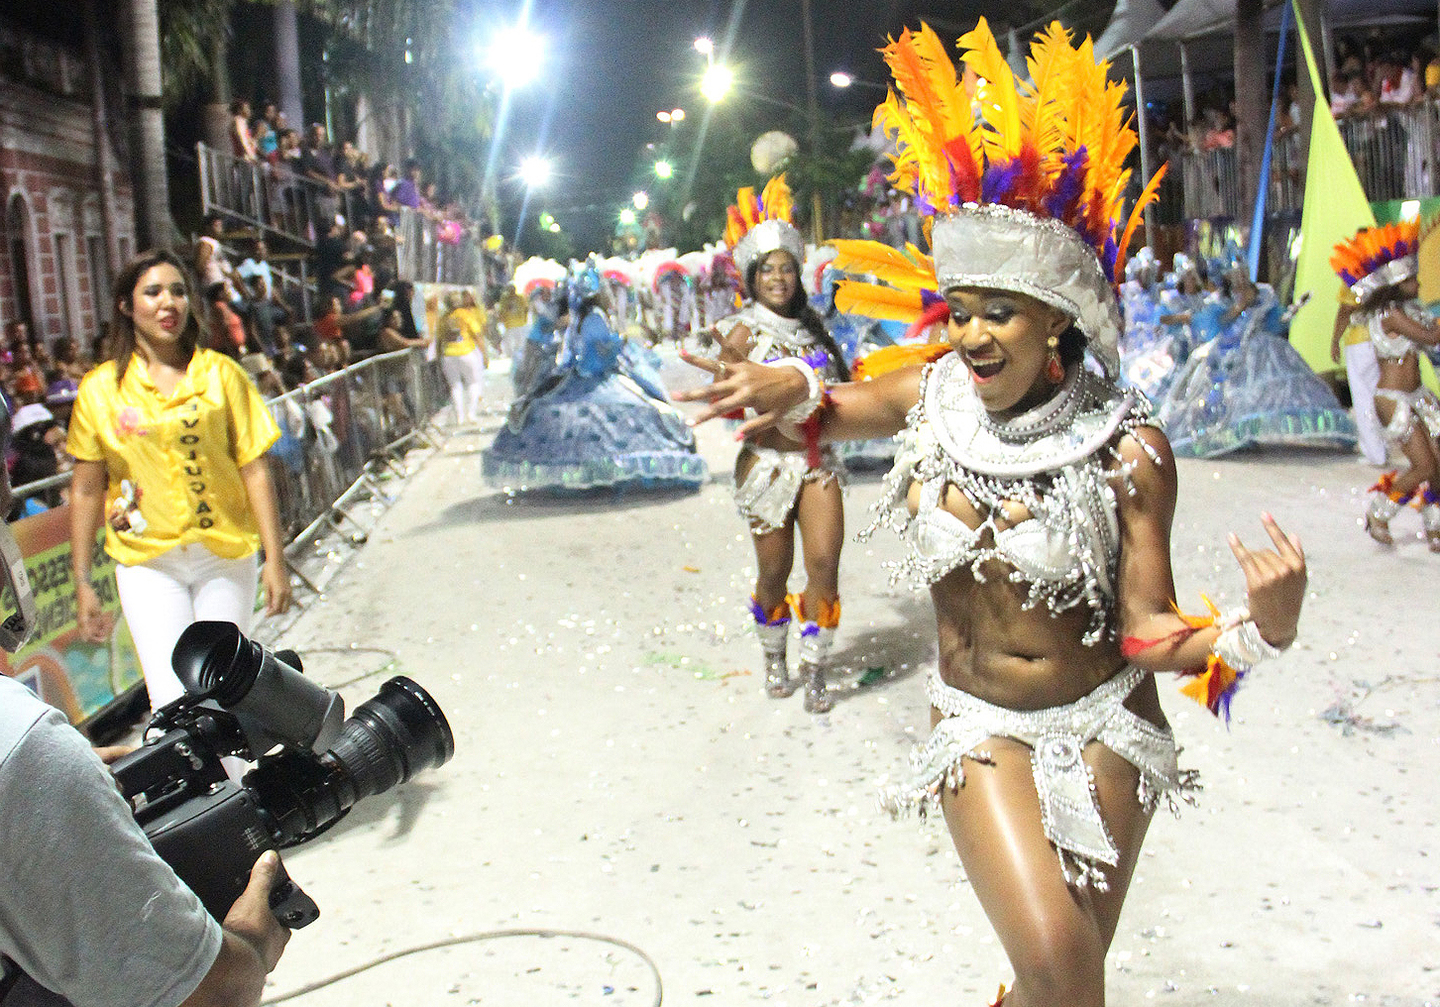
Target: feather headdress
757, 226
1023, 181
1378, 257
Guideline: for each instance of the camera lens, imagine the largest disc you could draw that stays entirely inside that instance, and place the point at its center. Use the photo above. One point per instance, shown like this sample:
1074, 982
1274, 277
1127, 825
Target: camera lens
391, 737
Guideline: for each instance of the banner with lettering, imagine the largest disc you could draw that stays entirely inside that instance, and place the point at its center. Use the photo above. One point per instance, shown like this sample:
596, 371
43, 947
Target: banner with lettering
77, 677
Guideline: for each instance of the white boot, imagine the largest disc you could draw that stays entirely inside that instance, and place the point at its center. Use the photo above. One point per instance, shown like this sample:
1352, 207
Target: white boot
814, 652
773, 640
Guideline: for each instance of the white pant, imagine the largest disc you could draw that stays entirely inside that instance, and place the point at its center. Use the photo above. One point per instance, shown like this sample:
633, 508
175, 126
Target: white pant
466, 377
187, 584
1362, 372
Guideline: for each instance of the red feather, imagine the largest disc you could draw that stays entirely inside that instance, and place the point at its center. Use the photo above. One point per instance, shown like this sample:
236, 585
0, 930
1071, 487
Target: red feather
967, 176
1028, 184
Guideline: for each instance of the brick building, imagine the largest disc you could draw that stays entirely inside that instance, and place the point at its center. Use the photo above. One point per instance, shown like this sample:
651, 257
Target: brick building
55, 132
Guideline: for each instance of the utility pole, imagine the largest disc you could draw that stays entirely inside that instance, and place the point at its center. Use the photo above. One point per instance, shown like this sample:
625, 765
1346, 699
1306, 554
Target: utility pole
817, 224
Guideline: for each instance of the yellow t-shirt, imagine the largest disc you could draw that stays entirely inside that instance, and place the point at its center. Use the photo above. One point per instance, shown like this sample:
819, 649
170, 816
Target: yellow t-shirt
1353, 334
469, 323
179, 457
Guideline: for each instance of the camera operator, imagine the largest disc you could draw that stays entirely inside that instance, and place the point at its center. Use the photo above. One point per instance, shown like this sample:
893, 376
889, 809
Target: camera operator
88, 911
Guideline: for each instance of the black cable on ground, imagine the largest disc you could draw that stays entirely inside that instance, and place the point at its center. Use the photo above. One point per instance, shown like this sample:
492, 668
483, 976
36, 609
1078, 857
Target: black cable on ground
486, 935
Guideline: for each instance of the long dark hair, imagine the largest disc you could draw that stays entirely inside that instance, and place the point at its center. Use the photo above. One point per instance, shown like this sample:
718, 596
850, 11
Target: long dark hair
122, 327
798, 307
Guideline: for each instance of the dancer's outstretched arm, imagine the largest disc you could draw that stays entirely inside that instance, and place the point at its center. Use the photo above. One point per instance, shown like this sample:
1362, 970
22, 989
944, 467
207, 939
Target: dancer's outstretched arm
852, 411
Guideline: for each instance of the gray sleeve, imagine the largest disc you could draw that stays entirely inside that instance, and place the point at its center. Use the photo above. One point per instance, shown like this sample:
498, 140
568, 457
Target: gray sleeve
87, 908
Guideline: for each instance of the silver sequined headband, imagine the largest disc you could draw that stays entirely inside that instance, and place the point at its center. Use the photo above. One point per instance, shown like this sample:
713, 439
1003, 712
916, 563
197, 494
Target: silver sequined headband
997, 247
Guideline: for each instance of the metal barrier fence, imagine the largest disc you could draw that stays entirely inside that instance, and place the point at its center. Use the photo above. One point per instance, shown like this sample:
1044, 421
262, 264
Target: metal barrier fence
336, 433
264, 196
1395, 152
433, 251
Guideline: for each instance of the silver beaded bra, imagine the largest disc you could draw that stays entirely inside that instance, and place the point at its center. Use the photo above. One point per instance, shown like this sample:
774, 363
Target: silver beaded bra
1059, 461
777, 336
1389, 346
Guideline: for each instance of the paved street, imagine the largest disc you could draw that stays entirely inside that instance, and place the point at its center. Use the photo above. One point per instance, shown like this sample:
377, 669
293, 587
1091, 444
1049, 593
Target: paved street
620, 775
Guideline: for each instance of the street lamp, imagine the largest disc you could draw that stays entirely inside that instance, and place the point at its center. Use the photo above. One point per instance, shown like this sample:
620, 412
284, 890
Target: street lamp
664, 170
841, 79
705, 47
627, 217
536, 171
716, 82
641, 200
515, 56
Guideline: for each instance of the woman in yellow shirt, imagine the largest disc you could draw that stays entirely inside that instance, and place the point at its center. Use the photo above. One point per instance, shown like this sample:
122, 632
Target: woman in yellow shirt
464, 356
170, 441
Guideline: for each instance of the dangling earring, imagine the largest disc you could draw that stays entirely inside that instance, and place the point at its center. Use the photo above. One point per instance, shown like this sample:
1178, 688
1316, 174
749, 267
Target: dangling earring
1054, 369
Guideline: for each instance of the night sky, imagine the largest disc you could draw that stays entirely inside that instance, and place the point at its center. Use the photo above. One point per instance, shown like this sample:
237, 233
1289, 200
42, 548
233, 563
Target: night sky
613, 64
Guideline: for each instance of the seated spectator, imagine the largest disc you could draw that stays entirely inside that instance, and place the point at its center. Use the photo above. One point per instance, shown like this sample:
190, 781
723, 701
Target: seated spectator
227, 329
267, 309
27, 380
37, 441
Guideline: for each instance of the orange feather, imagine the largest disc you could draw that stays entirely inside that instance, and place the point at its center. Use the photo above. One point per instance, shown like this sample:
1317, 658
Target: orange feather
872, 301
871, 258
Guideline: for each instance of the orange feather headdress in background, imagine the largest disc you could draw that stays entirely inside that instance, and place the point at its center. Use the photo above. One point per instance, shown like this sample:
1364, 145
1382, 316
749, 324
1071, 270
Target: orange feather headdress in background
1378, 257
757, 226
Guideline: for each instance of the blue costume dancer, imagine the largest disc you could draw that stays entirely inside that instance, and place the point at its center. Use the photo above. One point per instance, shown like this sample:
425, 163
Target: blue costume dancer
589, 424
1248, 386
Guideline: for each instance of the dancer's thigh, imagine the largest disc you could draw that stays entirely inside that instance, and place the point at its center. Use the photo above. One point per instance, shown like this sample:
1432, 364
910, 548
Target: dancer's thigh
994, 819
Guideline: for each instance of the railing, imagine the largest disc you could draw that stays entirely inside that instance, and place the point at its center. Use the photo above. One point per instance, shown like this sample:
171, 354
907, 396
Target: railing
1394, 151
266, 197
275, 200
433, 251
336, 433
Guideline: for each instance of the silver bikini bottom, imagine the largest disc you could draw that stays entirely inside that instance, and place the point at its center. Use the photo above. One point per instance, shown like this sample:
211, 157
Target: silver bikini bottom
1419, 406
1057, 737
768, 494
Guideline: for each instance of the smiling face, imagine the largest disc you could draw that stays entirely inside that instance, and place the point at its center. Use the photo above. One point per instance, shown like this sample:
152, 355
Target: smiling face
777, 278
159, 306
1003, 338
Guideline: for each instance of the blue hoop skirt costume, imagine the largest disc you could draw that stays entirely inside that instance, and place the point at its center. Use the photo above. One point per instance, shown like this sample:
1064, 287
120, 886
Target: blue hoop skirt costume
1248, 386
590, 424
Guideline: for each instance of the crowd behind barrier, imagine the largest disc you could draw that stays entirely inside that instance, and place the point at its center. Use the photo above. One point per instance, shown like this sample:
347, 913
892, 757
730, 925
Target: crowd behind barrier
1394, 152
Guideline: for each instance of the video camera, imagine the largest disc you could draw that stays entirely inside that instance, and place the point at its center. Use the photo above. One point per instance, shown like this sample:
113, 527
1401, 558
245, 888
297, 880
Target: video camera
243, 700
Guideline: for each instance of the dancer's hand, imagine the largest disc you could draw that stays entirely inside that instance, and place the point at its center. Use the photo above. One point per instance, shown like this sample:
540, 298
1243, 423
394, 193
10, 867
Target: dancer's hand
1274, 583
770, 391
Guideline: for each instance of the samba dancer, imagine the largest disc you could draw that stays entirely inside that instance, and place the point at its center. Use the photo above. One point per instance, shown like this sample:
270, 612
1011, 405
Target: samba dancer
1036, 499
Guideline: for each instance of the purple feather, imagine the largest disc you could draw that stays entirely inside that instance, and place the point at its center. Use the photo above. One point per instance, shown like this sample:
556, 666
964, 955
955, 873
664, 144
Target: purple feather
818, 360
1068, 185
760, 614
929, 298
1108, 255
999, 181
